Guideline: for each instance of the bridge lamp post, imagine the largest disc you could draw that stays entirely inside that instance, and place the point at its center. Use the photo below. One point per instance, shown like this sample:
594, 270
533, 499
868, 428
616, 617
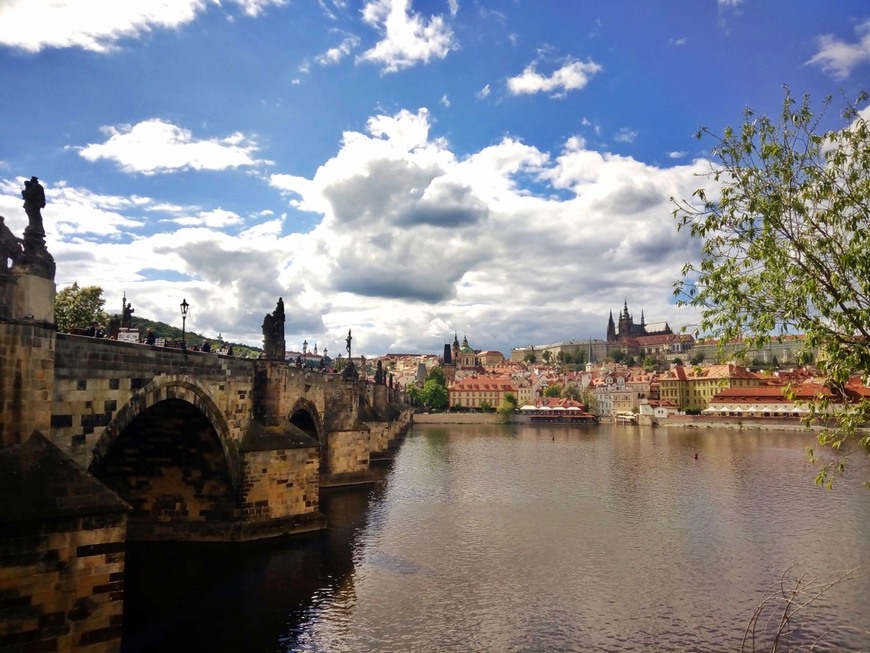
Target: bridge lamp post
184, 308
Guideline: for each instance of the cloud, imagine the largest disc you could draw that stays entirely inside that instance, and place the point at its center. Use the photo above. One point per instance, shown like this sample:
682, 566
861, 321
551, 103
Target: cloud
677, 154
215, 218
336, 54
574, 75
625, 135
414, 229
408, 38
155, 146
839, 57
35, 25
409, 239
483, 93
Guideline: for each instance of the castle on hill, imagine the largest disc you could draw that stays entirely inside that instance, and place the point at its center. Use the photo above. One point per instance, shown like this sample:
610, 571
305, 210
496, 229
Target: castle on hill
626, 328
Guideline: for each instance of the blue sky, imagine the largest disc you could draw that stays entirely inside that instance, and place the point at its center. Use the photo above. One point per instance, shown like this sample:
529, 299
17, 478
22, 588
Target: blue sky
406, 169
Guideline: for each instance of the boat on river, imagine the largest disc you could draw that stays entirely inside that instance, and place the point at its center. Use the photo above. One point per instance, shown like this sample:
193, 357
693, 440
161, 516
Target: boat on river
558, 415
625, 417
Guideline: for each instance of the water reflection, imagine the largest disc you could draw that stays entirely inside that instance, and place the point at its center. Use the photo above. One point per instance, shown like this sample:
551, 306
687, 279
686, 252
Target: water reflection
529, 539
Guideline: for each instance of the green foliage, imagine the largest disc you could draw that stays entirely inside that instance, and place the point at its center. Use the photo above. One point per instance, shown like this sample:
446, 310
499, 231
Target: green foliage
547, 356
436, 374
589, 400
435, 394
486, 407
697, 359
693, 410
508, 404
571, 391
617, 355
554, 390
784, 227
530, 358
415, 395
76, 307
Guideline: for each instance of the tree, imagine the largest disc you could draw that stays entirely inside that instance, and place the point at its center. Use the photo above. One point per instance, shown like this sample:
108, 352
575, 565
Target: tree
547, 356
76, 307
415, 395
785, 230
571, 391
617, 355
697, 359
554, 390
530, 358
436, 374
435, 395
589, 400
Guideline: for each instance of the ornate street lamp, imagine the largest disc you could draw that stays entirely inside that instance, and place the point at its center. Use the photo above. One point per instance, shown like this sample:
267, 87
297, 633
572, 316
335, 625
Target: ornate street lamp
184, 308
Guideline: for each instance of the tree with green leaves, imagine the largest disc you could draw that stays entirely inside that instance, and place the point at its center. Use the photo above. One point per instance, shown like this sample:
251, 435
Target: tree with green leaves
571, 391
617, 355
435, 394
784, 229
436, 373
78, 307
547, 356
415, 395
530, 358
554, 390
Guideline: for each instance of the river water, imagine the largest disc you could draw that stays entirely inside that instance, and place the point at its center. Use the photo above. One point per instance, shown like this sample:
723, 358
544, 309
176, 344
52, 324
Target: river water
522, 539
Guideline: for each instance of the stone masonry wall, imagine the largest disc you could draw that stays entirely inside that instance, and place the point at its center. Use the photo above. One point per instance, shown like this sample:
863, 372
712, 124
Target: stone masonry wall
282, 388
281, 487
62, 584
27, 359
94, 379
348, 453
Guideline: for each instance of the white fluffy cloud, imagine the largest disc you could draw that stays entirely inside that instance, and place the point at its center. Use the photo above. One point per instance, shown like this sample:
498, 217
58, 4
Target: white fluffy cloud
155, 146
408, 39
98, 25
411, 242
572, 76
839, 57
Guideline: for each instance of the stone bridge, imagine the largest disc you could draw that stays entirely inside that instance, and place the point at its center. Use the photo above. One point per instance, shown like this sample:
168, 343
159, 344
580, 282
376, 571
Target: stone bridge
202, 446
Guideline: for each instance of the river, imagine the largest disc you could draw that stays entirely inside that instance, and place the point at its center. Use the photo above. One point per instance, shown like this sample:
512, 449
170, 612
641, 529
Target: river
534, 539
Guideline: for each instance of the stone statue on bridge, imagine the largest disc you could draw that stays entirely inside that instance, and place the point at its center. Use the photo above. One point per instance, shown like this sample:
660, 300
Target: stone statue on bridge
36, 259
273, 333
10, 246
127, 311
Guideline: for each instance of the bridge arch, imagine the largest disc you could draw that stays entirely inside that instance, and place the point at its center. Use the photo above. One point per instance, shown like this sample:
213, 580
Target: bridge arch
305, 416
167, 452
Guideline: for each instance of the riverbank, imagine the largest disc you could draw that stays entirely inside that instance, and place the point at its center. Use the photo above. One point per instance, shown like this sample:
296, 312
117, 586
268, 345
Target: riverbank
680, 421
458, 418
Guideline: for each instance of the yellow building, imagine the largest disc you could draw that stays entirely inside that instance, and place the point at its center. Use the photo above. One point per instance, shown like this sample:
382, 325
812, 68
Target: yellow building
695, 387
473, 391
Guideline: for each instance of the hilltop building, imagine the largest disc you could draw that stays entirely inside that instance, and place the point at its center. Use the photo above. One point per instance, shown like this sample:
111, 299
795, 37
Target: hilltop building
626, 328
